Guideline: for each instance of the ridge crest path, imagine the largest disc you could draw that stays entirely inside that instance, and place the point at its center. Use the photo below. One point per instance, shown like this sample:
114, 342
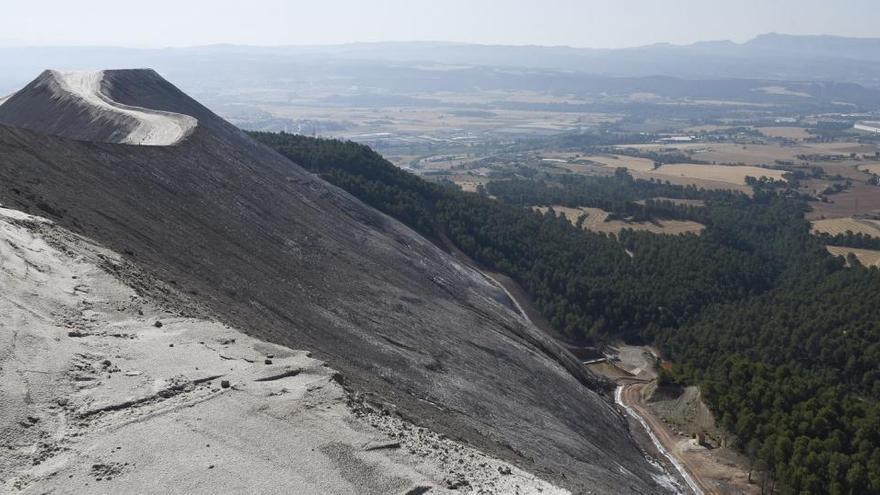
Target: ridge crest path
155, 127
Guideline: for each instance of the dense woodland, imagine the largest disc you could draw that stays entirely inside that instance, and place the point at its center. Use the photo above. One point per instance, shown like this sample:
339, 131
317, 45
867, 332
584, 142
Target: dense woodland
783, 338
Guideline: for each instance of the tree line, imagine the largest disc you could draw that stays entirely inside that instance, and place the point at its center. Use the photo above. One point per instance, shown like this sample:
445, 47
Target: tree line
783, 338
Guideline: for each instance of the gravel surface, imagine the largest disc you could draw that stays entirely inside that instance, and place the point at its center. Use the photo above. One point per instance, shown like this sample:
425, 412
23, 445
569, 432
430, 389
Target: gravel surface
98, 398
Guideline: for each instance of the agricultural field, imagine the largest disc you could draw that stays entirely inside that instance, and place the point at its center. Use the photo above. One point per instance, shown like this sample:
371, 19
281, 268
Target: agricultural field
782, 90
867, 257
699, 183
873, 168
677, 201
730, 153
861, 198
794, 133
597, 221
762, 153
719, 173
628, 162
837, 226
469, 183
699, 129
443, 162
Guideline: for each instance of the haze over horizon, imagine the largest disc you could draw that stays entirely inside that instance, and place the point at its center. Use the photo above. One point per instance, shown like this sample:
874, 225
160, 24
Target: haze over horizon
460, 246
587, 24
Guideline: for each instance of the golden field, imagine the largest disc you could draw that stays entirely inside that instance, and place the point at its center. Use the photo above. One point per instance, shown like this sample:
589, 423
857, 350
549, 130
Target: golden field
836, 226
867, 257
597, 221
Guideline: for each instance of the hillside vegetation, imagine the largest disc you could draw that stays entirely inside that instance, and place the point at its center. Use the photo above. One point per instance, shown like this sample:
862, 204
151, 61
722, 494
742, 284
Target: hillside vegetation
782, 337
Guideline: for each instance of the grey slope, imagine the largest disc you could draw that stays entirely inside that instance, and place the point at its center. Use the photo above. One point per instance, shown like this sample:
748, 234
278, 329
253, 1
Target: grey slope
275, 251
74, 104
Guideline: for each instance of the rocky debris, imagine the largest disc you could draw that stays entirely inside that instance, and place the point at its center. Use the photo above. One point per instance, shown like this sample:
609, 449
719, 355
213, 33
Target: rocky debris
457, 483
46, 450
106, 471
164, 410
460, 467
224, 383
177, 386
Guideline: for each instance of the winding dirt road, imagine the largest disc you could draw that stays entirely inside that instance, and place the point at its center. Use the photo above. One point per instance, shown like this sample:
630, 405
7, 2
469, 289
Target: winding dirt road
630, 397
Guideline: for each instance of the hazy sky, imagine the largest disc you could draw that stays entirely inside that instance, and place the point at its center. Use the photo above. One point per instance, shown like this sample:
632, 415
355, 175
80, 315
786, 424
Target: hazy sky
585, 23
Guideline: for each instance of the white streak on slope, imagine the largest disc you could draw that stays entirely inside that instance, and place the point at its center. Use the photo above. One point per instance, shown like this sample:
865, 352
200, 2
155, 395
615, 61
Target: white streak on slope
155, 127
618, 398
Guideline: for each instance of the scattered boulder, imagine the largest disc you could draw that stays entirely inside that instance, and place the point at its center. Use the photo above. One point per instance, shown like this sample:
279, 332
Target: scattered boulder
456, 483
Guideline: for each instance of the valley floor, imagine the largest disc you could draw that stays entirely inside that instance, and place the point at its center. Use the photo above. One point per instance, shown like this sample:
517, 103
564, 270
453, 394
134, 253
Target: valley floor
104, 390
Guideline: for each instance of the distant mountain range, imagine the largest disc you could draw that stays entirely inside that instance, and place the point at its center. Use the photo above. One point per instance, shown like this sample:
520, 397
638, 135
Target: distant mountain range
769, 56
806, 74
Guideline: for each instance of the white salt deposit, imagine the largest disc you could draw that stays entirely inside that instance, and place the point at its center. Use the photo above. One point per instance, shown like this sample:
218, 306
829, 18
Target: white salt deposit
156, 128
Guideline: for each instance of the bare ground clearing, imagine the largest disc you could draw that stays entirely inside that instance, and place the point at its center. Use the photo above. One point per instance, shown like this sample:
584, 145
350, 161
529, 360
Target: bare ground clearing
721, 173
867, 257
836, 226
597, 221
796, 133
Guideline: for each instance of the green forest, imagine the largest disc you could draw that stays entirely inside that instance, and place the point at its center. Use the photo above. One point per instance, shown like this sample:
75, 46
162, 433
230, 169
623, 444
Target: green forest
783, 338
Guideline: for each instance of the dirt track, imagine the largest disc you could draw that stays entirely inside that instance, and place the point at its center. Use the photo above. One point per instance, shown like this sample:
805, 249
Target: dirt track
630, 397
710, 474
